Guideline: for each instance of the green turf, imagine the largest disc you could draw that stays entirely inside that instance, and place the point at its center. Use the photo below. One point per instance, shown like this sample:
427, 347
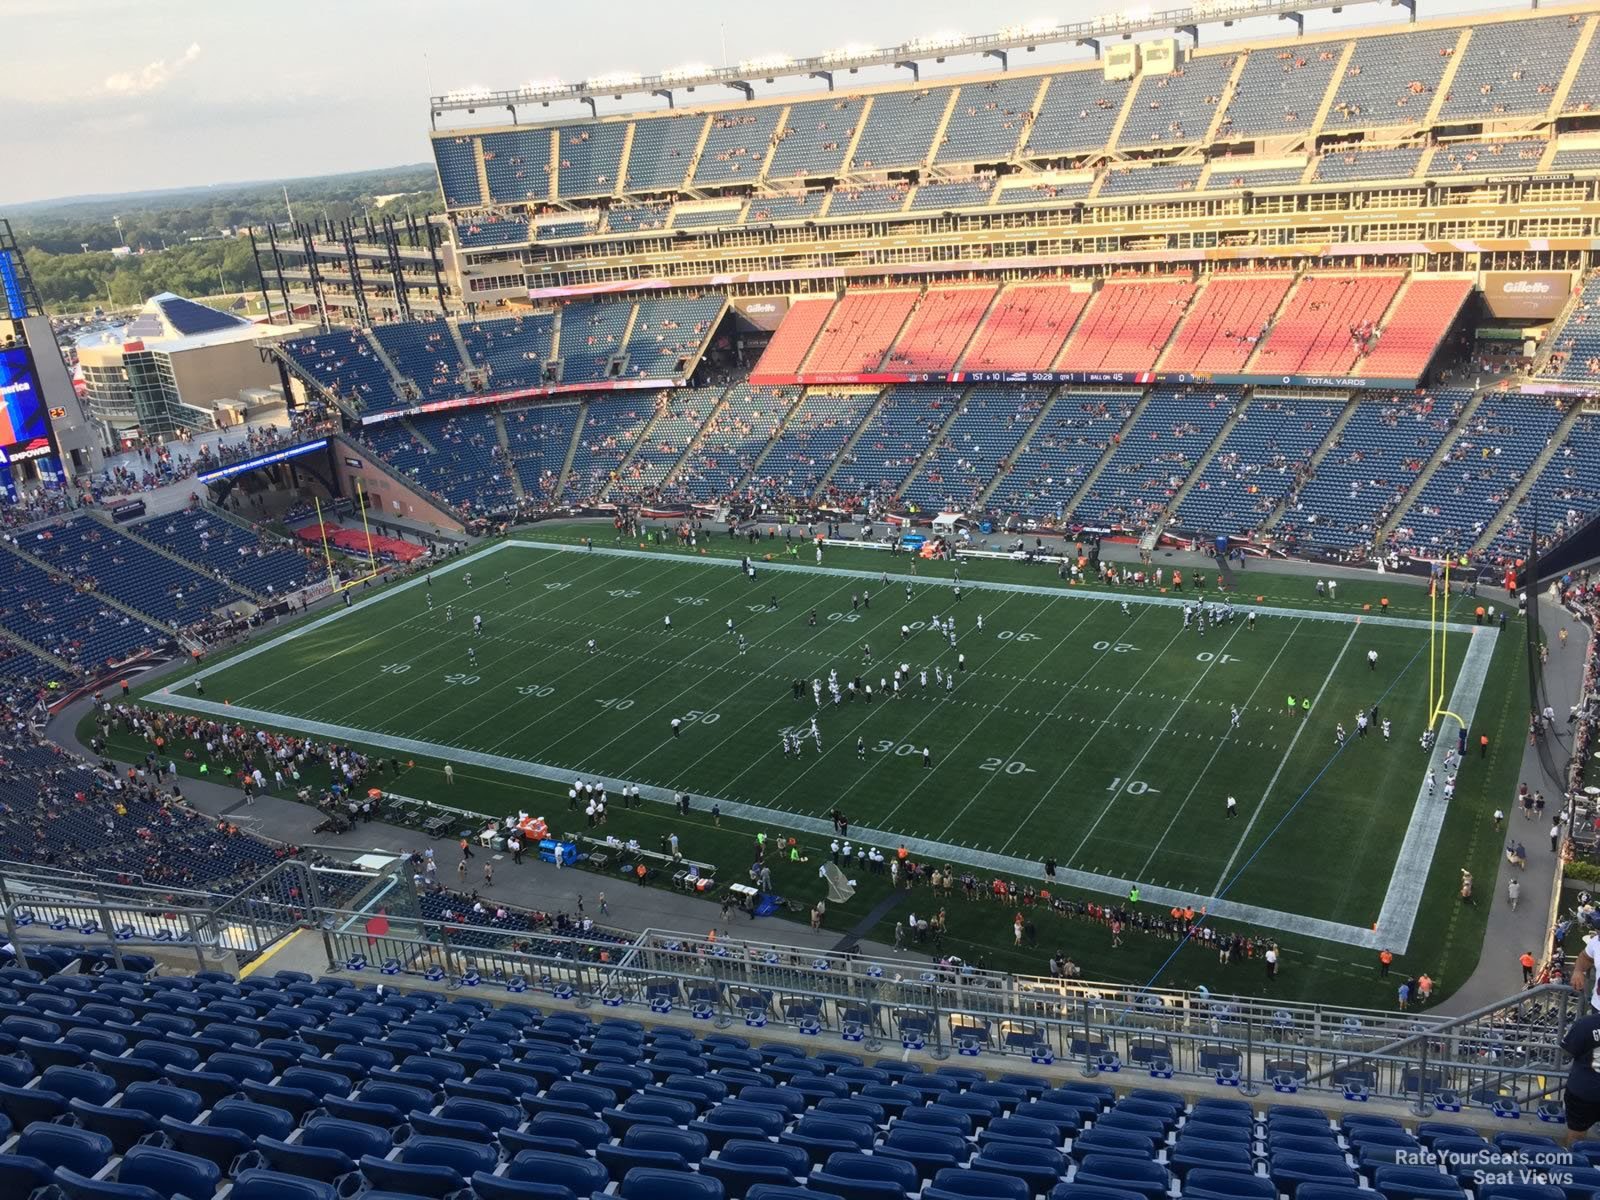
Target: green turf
1125, 755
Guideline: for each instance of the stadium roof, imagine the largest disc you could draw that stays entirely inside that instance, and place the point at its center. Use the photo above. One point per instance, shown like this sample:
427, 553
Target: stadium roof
171, 322
848, 59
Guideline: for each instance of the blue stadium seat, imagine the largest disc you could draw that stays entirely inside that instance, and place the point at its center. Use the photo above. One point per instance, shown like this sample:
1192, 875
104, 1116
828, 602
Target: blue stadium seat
649, 1183
123, 1125
251, 1118
1190, 1154
586, 1131
161, 1100
1023, 1129
1415, 1183
1108, 1142
168, 1173
1289, 1170
1086, 1191
952, 1183
79, 1150
1148, 1178
583, 1175
618, 1160
1040, 1169
821, 1136
1228, 1185
929, 1151
273, 1185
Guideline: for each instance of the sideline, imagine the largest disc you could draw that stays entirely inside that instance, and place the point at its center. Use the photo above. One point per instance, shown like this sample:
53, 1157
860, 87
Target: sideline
1393, 929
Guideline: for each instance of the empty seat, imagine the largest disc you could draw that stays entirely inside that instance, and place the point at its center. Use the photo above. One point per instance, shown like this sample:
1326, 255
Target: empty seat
251, 1119
274, 1185
618, 1160
951, 1183
124, 1126
168, 1173
1148, 1178
1189, 1154
79, 1150
1040, 1169
1415, 1183
1228, 1185
1111, 1141
583, 1175
821, 1136
1290, 1170
650, 1183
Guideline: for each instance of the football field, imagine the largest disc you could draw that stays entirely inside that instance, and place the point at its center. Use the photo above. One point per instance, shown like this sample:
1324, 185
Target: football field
1085, 725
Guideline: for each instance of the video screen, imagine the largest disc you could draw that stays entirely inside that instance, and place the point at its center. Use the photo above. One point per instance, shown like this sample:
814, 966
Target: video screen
24, 420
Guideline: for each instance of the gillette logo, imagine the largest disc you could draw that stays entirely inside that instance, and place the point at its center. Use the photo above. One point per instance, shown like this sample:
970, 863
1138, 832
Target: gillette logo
1525, 287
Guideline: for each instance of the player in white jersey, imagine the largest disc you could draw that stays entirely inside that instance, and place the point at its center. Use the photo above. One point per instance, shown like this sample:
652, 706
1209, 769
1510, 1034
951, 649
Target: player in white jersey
1233, 716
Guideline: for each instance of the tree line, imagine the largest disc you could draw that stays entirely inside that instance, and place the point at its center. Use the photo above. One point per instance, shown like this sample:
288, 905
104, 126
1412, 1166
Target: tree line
160, 228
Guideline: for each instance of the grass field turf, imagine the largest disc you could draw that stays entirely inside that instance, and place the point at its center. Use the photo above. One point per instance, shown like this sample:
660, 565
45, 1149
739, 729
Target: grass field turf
1055, 741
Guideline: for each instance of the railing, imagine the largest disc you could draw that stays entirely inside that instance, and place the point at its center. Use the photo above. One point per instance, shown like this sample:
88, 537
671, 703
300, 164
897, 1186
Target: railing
1504, 1058
1501, 1057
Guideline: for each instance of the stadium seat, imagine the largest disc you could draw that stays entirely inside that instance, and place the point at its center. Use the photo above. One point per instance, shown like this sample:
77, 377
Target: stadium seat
951, 1183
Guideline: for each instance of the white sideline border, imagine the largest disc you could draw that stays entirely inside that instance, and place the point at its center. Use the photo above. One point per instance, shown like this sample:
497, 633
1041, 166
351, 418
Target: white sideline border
1402, 900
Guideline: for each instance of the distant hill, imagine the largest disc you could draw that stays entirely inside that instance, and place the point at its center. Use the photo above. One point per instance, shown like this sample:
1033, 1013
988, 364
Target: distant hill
74, 206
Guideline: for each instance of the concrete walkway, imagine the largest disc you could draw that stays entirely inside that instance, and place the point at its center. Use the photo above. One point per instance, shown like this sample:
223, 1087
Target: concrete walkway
1527, 927
532, 884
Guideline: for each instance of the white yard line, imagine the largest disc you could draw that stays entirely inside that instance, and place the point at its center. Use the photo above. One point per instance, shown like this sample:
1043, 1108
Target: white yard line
1020, 868
1316, 704
1133, 771
866, 709
1205, 770
1131, 596
1400, 907
1400, 904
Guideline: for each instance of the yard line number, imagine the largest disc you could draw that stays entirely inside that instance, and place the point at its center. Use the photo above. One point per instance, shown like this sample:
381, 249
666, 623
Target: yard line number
1134, 787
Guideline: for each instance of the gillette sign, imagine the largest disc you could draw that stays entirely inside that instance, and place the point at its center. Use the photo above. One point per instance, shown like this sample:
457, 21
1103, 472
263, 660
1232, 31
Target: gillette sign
1526, 295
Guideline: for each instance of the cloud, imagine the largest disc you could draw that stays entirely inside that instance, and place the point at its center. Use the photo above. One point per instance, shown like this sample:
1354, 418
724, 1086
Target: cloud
151, 77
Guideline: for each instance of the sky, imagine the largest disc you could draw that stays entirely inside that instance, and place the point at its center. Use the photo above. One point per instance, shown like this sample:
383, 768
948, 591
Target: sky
107, 96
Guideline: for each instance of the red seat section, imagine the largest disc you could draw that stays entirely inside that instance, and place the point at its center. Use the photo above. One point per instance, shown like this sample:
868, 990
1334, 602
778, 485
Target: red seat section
859, 332
940, 329
790, 344
1026, 328
1328, 321
1422, 316
1226, 323
1126, 326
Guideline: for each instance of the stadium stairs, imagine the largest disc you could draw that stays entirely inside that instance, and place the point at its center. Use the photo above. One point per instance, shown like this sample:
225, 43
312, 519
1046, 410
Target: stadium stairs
848, 449
1330, 95
1442, 452
36, 650
1204, 461
671, 477
572, 446
513, 475
1352, 403
133, 535
1441, 91
1580, 54
1529, 478
100, 594
933, 444
777, 436
1093, 474
1022, 444
641, 441
403, 385
462, 352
